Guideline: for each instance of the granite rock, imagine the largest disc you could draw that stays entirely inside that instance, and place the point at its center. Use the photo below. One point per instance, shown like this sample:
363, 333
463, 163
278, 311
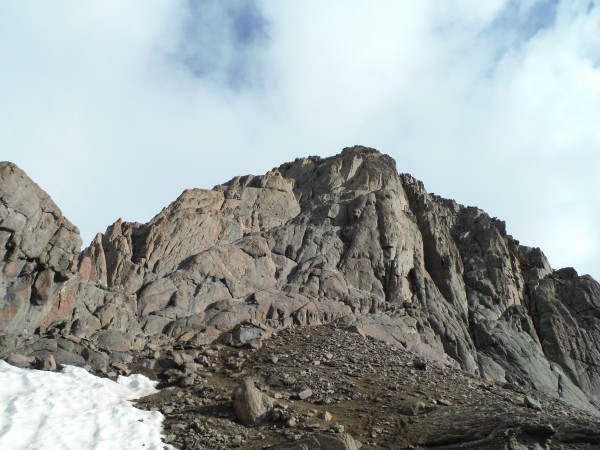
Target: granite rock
345, 240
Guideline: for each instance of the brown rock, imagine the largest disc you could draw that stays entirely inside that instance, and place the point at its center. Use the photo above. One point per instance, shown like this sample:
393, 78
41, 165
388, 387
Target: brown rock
47, 362
18, 360
13, 269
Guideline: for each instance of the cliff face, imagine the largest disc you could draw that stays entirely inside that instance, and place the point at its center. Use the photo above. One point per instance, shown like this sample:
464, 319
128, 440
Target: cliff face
38, 250
344, 239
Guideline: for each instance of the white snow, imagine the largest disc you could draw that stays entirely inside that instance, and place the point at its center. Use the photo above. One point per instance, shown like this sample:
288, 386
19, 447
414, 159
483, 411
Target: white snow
75, 410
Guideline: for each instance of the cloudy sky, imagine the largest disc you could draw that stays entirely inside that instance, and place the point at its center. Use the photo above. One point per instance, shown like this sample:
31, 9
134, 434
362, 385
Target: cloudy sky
114, 106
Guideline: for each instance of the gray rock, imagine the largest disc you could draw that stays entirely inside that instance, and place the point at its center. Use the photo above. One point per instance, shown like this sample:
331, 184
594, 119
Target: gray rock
63, 357
305, 393
420, 364
412, 409
20, 360
345, 239
113, 340
532, 403
250, 405
47, 363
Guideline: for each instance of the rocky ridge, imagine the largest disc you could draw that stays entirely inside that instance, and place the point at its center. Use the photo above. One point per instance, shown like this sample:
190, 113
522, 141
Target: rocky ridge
345, 240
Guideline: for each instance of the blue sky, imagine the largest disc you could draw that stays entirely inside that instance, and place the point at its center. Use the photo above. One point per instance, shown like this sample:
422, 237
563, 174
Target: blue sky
526, 19
221, 41
115, 107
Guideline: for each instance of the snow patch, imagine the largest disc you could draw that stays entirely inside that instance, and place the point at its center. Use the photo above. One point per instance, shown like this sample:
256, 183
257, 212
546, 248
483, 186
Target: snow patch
75, 410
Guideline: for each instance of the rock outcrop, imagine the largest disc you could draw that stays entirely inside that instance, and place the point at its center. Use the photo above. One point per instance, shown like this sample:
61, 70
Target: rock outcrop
345, 239
38, 254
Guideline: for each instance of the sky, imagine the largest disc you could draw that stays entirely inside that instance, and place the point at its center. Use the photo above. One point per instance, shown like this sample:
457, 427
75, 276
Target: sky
50, 410
114, 107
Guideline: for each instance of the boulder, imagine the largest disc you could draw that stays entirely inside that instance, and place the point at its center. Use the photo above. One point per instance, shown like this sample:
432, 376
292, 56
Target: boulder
18, 360
47, 362
250, 405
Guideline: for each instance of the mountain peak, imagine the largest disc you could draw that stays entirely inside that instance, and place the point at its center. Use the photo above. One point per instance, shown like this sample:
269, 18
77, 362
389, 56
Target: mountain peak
344, 240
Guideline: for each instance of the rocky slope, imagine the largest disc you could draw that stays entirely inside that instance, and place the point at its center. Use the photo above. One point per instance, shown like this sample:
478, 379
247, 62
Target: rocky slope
326, 385
345, 240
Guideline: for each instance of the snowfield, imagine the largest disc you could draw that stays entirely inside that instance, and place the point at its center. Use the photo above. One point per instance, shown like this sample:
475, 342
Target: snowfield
75, 410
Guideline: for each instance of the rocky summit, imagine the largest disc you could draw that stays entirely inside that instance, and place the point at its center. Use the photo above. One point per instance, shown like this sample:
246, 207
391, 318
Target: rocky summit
330, 303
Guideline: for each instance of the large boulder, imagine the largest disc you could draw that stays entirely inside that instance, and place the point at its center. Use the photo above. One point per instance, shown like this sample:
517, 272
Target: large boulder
250, 405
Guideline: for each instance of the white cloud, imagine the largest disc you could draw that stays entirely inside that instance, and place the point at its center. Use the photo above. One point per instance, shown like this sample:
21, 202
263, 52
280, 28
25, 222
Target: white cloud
493, 103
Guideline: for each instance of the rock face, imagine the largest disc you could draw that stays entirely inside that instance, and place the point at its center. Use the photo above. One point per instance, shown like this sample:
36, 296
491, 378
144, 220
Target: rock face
345, 239
38, 254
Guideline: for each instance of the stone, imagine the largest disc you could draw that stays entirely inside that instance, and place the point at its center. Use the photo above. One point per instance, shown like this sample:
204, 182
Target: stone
13, 268
245, 334
532, 403
190, 367
412, 409
47, 363
18, 360
250, 405
43, 287
291, 422
64, 357
113, 340
327, 416
420, 364
305, 393
338, 428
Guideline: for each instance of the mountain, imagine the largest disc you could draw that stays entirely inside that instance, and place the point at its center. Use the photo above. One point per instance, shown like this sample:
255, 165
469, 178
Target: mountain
345, 240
